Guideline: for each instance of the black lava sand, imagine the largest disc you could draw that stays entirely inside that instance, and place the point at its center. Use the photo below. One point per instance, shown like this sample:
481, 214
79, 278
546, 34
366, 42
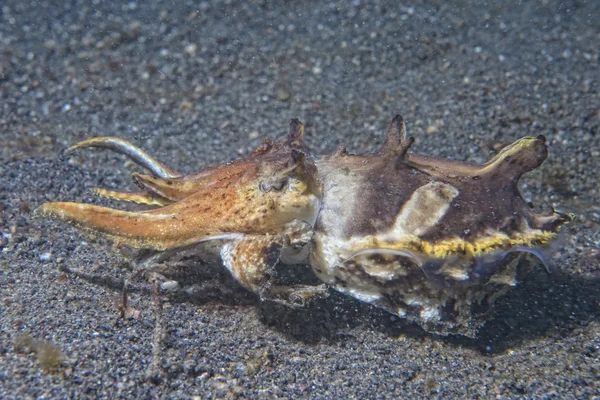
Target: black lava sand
196, 84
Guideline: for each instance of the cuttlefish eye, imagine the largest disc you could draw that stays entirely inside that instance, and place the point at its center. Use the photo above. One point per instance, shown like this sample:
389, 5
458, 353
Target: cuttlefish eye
276, 186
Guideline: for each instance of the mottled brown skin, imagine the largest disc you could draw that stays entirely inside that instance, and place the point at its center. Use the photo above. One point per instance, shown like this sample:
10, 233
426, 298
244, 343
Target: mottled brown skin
489, 197
493, 186
384, 189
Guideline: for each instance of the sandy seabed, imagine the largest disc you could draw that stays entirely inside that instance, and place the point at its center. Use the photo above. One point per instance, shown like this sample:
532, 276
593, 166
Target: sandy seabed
197, 84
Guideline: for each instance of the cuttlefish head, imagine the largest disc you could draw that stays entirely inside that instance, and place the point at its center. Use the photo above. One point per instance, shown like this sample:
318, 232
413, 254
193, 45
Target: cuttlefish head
259, 195
290, 190
281, 183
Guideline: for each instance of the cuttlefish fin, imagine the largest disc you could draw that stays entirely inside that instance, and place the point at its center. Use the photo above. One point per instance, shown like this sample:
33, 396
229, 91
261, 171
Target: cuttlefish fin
144, 197
126, 148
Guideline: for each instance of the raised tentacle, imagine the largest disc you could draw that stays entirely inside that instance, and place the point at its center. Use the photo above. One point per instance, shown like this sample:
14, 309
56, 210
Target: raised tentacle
126, 148
296, 134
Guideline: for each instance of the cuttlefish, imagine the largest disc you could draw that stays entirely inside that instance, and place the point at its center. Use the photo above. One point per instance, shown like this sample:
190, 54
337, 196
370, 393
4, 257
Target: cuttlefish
258, 208
425, 238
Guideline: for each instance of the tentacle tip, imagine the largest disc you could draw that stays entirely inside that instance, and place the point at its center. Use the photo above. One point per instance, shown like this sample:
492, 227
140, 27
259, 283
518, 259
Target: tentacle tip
295, 122
567, 216
396, 127
67, 151
396, 141
37, 213
63, 153
564, 218
41, 211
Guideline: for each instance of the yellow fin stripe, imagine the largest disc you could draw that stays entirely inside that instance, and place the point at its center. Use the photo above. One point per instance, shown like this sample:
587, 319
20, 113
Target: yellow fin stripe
457, 246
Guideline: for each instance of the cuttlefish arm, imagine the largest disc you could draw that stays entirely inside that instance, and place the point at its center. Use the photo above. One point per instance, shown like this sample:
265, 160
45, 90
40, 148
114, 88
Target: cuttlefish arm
143, 197
126, 148
165, 186
138, 156
262, 208
252, 259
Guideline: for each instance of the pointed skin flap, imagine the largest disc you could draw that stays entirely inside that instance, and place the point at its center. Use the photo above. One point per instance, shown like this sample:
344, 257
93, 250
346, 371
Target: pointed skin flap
396, 143
296, 134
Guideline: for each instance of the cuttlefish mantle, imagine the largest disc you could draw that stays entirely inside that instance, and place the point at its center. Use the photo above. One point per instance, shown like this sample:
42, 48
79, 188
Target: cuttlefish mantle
427, 238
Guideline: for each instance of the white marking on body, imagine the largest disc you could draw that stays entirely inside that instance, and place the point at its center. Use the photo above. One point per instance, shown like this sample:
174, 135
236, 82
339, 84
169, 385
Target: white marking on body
425, 208
342, 186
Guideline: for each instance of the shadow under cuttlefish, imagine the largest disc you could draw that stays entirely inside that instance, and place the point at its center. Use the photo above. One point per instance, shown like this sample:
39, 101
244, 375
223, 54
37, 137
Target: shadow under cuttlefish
542, 304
